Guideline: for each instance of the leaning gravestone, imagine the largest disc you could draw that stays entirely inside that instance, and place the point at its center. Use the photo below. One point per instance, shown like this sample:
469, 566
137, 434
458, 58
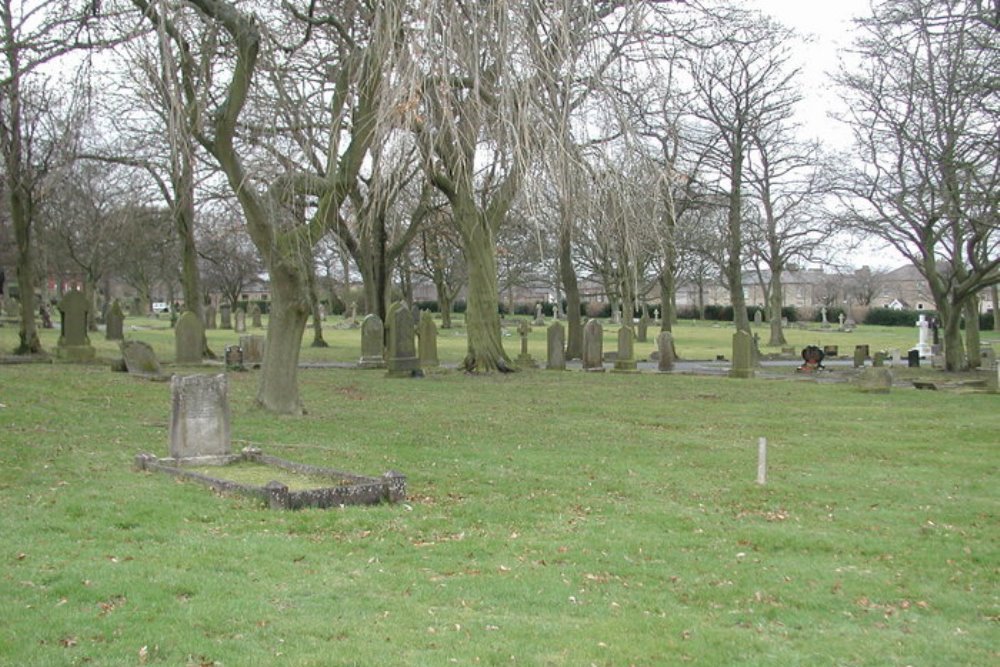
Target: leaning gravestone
427, 332
253, 349
665, 346
742, 356
874, 380
115, 323
74, 343
255, 316
402, 361
189, 335
625, 359
372, 333
240, 317
226, 315
199, 422
140, 359
556, 338
593, 346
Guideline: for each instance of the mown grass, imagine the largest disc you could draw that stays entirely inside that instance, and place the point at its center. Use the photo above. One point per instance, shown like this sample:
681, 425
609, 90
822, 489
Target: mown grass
553, 519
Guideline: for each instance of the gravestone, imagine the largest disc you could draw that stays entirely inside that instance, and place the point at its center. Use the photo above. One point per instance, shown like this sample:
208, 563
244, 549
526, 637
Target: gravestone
822, 312
831, 350
665, 348
114, 327
625, 360
656, 314
12, 307
539, 318
840, 320
255, 316
616, 316
402, 360
253, 349
758, 317
784, 321
189, 335
209, 313
860, 354
894, 355
987, 357
593, 346
913, 358
643, 333
742, 356
226, 316
874, 380
140, 359
354, 312
372, 340
524, 359
427, 332
74, 343
923, 346
556, 338
878, 361
200, 421
240, 321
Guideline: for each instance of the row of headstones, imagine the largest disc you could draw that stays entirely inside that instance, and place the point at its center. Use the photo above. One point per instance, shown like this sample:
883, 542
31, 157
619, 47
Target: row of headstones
237, 321
402, 358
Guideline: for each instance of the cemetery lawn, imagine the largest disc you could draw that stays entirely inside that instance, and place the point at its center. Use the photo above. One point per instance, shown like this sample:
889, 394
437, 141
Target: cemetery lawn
552, 519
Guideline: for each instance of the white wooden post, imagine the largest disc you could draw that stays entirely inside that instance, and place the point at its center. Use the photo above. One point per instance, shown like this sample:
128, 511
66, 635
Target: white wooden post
762, 461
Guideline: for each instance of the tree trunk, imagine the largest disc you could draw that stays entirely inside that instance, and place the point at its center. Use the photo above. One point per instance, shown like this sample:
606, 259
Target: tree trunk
279, 389
971, 309
995, 294
567, 274
954, 357
482, 318
776, 299
314, 308
28, 333
668, 306
184, 221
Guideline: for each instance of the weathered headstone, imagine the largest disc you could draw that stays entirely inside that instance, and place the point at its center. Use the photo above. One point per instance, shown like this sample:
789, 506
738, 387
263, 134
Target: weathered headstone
616, 315
189, 335
11, 307
402, 358
625, 361
226, 316
878, 361
372, 341
860, 354
643, 331
656, 314
253, 349
742, 366
556, 338
840, 320
665, 347
209, 313
240, 321
539, 317
140, 359
74, 343
255, 316
913, 358
115, 322
524, 359
831, 351
822, 312
874, 380
923, 346
758, 316
593, 346
427, 333
200, 420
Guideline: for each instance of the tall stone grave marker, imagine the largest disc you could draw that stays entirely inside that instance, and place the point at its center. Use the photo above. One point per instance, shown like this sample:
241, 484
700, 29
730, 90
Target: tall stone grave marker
643, 334
665, 346
226, 315
253, 349
593, 346
372, 335
758, 316
200, 420
115, 322
74, 343
524, 359
402, 361
742, 356
210, 321
428, 334
625, 360
539, 317
860, 354
188, 337
240, 321
255, 316
556, 338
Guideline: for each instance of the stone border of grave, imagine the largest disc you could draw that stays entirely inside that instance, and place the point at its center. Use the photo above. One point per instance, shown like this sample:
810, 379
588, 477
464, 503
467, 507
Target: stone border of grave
390, 487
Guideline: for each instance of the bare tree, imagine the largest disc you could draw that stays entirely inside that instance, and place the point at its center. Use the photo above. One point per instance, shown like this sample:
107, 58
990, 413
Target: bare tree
925, 111
742, 82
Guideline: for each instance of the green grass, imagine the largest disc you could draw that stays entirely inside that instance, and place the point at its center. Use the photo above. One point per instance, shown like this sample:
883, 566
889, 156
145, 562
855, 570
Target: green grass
552, 519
